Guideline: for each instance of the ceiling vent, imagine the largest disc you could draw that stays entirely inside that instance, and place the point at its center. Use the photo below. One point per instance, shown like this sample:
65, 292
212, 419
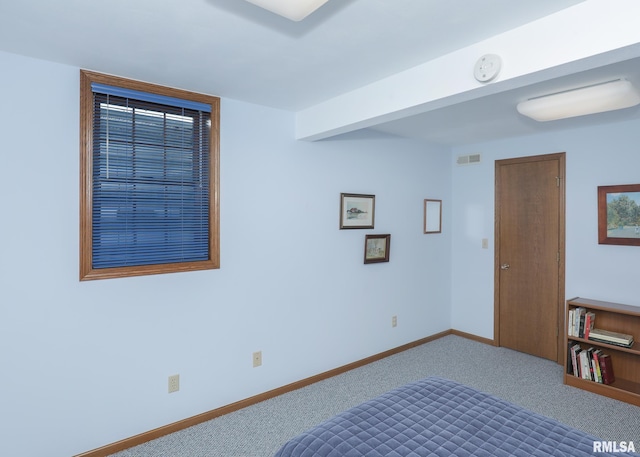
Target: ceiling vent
468, 160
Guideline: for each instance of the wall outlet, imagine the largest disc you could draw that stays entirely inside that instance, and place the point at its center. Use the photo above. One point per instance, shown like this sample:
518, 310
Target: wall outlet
485, 243
174, 383
257, 359
394, 321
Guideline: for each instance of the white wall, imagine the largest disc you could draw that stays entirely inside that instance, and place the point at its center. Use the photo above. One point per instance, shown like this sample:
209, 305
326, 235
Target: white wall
605, 155
86, 364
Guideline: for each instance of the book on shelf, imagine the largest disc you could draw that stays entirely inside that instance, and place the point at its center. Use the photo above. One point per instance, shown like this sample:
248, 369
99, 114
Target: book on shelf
578, 314
572, 361
570, 323
583, 317
585, 366
609, 337
596, 359
606, 367
594, 375
589, 320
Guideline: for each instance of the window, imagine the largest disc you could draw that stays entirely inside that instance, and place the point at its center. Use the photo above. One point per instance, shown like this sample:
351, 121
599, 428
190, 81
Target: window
149, 179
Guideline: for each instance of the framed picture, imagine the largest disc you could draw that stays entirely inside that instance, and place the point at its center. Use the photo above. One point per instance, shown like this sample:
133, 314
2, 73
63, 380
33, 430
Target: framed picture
619, 214
376, 248
432, 216
357, 211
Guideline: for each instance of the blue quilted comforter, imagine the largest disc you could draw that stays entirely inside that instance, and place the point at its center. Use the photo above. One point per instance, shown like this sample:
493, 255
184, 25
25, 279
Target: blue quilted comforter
439, 417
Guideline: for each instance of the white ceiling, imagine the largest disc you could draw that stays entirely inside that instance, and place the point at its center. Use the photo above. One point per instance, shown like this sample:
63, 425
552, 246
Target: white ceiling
236, 50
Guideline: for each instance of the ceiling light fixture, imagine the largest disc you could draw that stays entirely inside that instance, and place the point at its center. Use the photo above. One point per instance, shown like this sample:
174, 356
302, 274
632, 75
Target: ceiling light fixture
296, 10
597, 98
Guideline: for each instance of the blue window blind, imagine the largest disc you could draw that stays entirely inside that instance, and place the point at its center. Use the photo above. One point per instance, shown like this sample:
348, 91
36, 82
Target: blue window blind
150, 179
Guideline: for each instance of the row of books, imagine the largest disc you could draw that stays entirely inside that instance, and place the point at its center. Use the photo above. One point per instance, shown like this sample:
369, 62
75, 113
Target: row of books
590, 364
580, 322
581, 325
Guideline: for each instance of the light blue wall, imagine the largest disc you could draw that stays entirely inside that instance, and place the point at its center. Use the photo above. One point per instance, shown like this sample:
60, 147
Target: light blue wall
600, 156
86, 364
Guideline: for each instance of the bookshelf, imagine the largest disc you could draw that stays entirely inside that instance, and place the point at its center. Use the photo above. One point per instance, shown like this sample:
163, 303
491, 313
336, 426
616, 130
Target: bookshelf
625, 360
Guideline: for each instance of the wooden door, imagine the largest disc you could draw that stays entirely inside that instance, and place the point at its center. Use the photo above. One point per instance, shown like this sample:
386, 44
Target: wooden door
530, 255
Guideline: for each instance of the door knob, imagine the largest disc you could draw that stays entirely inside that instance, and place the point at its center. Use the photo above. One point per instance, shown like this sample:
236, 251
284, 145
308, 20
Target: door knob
505, 266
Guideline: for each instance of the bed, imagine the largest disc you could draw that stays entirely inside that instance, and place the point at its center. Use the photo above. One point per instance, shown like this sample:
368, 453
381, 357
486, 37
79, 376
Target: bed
439, 417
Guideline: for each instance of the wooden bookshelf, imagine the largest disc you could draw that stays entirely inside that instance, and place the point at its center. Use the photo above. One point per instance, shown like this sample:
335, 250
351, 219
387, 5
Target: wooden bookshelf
626, 361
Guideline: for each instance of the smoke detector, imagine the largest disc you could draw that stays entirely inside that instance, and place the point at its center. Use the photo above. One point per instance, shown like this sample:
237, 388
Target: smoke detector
487, 67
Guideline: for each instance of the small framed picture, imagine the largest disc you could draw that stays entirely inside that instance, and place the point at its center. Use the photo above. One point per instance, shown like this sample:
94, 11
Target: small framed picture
357, 211
619, 214
376, 248
432, 216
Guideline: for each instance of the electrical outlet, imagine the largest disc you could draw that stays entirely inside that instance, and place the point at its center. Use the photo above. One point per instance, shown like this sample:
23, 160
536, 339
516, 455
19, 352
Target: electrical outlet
485, 243
257, 359
394, 321
174, 383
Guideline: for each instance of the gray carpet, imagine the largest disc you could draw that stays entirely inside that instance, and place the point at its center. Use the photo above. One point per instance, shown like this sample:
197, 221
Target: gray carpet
531, 382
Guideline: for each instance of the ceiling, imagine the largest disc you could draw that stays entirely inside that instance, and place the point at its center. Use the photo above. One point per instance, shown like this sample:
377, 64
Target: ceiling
236, 50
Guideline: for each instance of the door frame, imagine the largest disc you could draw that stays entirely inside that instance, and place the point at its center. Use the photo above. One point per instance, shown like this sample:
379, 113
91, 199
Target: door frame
561, 157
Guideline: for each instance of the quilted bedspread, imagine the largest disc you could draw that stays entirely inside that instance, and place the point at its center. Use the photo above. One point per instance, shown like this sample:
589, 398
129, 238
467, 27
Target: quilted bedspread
439, 417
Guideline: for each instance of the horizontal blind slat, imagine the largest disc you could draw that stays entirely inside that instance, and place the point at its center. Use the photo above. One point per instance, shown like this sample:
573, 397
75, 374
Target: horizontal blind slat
105, 89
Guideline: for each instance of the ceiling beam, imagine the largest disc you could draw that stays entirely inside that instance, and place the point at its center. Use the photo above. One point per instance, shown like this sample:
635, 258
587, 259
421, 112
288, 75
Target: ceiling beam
579, 38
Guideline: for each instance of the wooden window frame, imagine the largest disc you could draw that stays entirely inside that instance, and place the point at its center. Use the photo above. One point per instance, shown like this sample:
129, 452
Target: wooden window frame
87, 272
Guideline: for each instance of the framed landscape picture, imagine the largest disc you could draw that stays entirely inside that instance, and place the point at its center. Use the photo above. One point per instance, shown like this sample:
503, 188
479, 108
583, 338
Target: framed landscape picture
376, 248
619, 214
357, 211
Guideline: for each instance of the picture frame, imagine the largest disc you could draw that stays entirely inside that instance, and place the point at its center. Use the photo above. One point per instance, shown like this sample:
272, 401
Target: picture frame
357, 211
619, 214
376, 248
432, 216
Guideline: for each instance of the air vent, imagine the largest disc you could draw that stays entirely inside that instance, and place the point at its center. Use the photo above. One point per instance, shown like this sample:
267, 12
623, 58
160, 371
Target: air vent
469, 159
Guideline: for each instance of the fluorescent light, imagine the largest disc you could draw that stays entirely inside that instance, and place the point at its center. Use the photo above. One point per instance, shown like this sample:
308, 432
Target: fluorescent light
296, 10
598, 98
